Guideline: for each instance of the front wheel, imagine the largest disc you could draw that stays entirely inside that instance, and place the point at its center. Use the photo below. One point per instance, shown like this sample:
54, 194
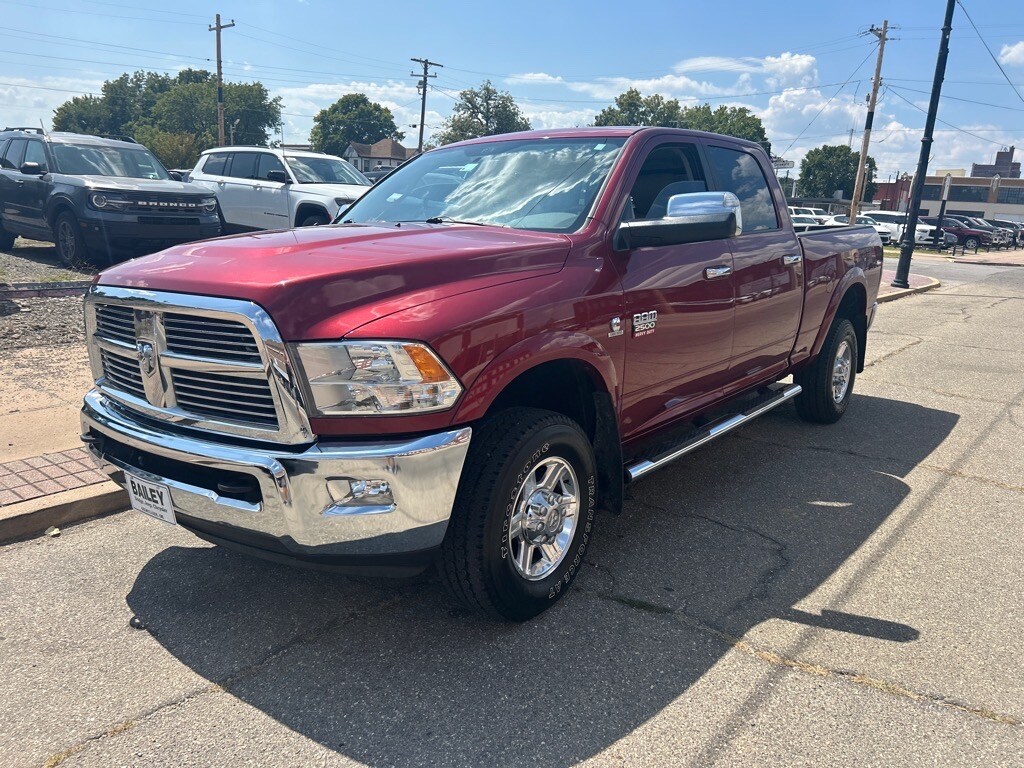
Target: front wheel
71, 248
971, 243
314, 220
828, 382
523, 515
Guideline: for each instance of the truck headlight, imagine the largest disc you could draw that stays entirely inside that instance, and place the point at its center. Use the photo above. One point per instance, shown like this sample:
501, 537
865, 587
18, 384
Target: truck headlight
365, 378
208, 204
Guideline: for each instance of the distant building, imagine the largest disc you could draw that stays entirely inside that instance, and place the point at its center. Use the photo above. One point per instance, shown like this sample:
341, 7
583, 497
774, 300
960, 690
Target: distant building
1003, 167
386, 153
986, 198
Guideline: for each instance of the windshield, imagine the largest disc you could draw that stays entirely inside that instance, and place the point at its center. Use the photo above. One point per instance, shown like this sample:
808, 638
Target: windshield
99, 160
538, 184
325, 170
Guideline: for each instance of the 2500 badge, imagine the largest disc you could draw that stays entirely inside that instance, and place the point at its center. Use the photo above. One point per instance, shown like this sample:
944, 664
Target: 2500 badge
644, 323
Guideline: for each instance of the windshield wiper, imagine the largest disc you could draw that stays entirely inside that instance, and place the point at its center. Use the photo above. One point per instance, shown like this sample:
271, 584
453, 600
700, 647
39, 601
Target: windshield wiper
450, 220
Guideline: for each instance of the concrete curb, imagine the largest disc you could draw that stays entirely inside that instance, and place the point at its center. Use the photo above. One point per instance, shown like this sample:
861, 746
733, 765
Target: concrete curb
986, 263
901, 292
31, 518
44, 290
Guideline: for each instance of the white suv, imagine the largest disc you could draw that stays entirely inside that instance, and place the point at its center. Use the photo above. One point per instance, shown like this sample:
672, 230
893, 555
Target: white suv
263, 188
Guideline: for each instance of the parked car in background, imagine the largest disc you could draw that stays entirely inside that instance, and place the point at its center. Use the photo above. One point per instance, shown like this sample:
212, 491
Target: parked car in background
803, 223
962, 233
468, 370
1000, 237
1009, 232
1016, 226
815, 213
896, 221
843, 219
264, 188
377, 175
97, 199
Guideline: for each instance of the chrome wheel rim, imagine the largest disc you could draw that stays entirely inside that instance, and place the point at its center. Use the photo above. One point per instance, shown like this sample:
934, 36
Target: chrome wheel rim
66, 238
841, 371
544, 518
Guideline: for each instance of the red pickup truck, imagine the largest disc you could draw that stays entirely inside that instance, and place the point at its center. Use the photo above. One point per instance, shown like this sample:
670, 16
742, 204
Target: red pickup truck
474, 361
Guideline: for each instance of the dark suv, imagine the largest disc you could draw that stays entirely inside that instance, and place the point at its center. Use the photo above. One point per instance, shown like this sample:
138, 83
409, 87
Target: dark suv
96, 198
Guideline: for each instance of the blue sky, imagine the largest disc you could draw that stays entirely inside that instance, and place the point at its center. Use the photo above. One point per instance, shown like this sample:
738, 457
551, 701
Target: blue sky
563, 61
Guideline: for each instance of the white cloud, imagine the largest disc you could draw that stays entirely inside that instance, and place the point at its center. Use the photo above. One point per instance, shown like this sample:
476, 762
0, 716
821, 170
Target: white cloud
535, 78
789, 70
718, 64
27, 101
1012, 55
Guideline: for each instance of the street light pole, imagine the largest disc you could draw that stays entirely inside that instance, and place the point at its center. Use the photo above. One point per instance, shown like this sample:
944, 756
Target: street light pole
902, 279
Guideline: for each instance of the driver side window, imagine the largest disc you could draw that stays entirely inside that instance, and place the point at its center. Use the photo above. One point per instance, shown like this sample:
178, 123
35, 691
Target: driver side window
670, 169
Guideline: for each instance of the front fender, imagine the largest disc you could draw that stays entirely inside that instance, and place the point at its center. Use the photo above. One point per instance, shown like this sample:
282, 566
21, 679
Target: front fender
529, 353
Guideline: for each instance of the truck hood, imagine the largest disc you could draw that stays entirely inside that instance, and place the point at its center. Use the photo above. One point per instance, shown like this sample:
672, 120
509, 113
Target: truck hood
323, 282
120, 184
346, 191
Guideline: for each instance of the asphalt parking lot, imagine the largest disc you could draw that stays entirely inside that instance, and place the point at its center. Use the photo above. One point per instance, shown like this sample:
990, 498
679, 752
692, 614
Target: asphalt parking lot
792, 595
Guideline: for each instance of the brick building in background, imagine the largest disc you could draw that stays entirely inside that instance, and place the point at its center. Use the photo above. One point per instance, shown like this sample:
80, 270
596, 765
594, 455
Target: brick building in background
1003, 167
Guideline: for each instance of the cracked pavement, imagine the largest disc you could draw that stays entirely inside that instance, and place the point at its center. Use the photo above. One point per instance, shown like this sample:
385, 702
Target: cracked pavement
789, 595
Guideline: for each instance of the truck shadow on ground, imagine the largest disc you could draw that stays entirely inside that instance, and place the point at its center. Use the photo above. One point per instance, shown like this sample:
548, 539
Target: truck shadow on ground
390, 674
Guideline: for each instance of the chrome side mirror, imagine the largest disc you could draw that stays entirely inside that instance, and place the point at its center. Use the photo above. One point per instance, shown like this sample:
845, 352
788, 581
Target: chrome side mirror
707, 206
693, 217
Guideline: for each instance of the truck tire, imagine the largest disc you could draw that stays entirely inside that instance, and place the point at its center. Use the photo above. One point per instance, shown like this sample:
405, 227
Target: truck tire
523, 515
6, 239
828, 382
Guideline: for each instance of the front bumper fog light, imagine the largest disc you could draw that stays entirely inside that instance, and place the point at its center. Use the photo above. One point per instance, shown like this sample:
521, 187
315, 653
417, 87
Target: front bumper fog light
352, 496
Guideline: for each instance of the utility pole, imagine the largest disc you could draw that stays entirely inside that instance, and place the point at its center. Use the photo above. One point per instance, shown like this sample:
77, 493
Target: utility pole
220, 81
422, 85
902, 279
858, 185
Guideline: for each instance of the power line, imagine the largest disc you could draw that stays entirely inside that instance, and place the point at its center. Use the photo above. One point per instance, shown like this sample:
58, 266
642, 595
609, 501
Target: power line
894, 91
830, 99
994, 59
968, 101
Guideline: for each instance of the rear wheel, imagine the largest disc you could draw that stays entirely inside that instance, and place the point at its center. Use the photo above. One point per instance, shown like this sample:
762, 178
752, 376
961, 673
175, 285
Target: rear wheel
523, 515
828, 383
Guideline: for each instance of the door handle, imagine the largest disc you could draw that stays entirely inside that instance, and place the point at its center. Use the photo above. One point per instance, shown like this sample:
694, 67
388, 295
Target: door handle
713, 273
791, 258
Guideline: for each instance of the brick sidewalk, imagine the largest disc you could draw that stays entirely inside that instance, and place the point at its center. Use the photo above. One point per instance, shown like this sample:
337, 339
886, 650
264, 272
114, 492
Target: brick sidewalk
51, 473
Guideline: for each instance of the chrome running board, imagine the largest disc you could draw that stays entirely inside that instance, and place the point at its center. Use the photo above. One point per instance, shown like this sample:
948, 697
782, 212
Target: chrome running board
638, 469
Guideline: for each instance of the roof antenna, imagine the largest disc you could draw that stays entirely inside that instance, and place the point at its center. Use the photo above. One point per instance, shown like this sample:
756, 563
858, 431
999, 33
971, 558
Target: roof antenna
43, 127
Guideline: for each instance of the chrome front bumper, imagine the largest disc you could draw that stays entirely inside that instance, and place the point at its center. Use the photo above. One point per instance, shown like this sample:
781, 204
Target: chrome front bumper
328, 501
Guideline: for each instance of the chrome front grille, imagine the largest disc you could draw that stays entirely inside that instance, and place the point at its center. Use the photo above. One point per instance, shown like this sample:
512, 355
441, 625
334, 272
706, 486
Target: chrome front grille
123, 373
216, 364
210, 337
220, 396
116, 322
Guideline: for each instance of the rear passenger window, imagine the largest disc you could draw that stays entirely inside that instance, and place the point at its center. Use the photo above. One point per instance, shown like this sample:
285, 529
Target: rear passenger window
243, 165
215, 164
739, 172
268, 163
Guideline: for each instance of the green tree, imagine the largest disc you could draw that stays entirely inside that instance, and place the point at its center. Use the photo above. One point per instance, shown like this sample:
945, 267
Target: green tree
175, 150
482, 111
154, 105
631, 108
353, 117
729, 121
830, 167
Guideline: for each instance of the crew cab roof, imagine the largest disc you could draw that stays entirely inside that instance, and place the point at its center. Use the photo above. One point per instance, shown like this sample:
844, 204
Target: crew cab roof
63, 137
608, 132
